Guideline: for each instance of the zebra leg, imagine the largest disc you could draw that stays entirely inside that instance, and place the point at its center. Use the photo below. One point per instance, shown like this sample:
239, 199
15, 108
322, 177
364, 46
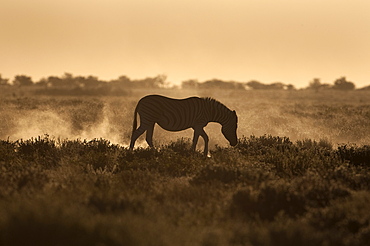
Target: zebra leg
137, 133
195, 139
149, 136
206, 140
199, 131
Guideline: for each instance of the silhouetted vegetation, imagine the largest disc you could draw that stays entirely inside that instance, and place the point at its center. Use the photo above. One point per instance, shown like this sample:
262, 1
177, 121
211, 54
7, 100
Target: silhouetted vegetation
4, 81
69, 85
222, 85
316, 85
123, 85
339, 84
22, 80
256, 85
343, 84
266, 191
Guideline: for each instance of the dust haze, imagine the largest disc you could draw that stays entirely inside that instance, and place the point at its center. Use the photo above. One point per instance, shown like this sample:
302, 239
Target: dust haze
259, 114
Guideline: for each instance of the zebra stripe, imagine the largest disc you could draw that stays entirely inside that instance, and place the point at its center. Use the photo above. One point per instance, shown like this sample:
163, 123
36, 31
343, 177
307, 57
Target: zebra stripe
180, 114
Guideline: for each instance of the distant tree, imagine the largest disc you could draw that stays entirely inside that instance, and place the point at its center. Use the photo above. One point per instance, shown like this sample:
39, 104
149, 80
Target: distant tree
256, 85
122, 83
68, 80
67, 76
151, 82
161, 80
238, 85
190, 84
88, 82
316, 85
276, 86
343, 84
124, 79
54, 81
290, 87
3, 81
43, 82
220, 84
22, 80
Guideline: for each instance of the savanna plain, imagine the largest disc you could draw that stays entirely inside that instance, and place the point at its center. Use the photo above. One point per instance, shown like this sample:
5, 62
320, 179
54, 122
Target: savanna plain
298, 176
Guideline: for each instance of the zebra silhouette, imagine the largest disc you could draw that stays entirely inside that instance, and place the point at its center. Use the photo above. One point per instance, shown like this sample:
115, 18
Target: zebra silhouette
180, 114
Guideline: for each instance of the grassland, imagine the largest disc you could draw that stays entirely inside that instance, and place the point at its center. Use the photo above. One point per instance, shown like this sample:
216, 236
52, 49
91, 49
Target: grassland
299, 175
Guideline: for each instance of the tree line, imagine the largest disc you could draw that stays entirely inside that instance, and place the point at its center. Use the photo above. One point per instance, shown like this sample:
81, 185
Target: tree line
316, 85
70, 83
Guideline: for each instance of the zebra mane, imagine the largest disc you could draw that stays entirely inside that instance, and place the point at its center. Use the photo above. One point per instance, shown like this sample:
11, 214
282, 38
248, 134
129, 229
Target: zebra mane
210, 99
215, 102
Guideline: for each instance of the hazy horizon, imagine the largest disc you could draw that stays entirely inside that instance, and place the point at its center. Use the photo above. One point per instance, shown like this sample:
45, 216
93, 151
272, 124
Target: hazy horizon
269, 41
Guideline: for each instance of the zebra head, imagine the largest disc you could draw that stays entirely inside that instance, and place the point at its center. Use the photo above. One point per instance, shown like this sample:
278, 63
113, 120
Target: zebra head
229, 128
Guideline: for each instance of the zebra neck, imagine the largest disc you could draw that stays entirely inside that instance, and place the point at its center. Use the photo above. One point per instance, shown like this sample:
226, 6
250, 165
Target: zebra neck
216, 111
220, 116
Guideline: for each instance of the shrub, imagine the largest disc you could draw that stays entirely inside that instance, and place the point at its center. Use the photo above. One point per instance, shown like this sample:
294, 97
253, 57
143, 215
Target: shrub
262, 145
323, 145
100, 154
211, 174
267, 191
50, 223
113, 202
358, 156
126, 156
285, 157
354, 177
40, 150
96, 153
7, 151
346, 219
290, 198
318, 189
175, 159
21, 176
181, 146
268, 202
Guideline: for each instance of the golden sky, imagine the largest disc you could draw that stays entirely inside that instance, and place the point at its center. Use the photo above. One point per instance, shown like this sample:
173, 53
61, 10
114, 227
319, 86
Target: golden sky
291, 41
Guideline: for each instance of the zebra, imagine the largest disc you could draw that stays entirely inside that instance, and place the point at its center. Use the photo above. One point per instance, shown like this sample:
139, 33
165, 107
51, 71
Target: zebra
180, 114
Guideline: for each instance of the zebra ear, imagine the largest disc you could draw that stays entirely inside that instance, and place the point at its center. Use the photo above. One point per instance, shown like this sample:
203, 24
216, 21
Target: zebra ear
234, 112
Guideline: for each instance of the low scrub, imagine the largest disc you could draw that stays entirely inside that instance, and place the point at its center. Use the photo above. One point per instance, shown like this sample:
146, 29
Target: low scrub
265, 191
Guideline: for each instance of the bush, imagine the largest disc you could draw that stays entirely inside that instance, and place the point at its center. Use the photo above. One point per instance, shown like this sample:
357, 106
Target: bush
358, 156
268, 202
20, 176
99, 154
288, 158
266, 191
290, 198
211, 174
50, 223
262, 145
347, 219
40, 150
7, 151
175, 159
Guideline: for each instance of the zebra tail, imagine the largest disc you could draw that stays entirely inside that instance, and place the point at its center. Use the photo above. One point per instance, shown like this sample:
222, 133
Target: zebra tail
134, 124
